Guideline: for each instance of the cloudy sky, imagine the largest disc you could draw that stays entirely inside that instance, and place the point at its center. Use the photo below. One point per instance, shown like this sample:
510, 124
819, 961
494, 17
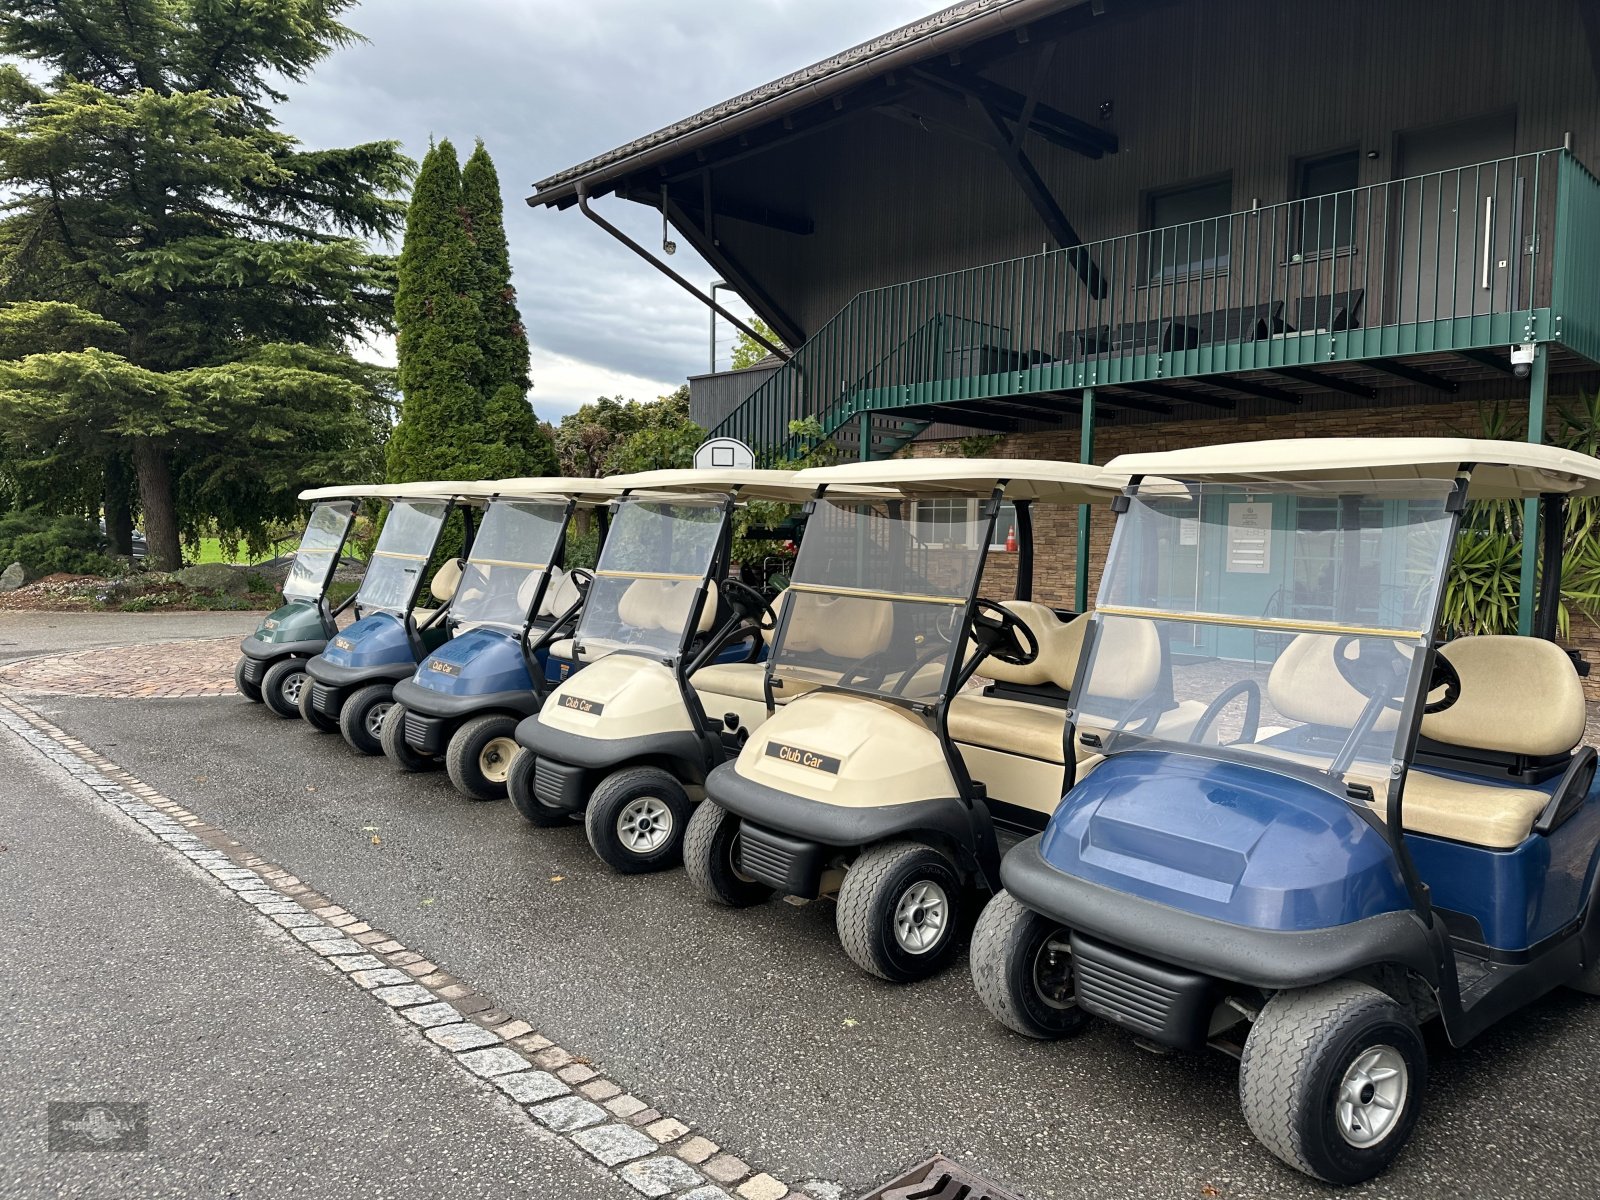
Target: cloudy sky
548, 84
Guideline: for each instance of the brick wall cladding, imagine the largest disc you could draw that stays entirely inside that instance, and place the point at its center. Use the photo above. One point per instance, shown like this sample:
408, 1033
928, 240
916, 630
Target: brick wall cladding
1056, 528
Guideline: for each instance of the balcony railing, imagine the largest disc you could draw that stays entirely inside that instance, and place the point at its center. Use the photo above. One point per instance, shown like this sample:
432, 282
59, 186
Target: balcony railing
1470, 258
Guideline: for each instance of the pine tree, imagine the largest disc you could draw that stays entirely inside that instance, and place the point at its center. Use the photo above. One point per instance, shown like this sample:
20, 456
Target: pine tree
149, 186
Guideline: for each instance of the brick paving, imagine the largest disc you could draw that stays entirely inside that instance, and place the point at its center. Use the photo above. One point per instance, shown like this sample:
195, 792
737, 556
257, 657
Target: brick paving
153, 671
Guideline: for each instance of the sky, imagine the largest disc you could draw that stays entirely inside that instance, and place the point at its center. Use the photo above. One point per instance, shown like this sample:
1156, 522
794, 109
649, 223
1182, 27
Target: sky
548, 84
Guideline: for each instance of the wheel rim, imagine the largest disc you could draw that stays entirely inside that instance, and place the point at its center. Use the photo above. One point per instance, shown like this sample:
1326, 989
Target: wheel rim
1372, 1096
495, 759
644, 825
293, 685
375, 716
921, 916
1052, 973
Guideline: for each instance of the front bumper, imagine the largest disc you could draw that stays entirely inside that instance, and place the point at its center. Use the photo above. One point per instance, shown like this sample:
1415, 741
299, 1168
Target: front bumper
336, 676
428, 702
254, 649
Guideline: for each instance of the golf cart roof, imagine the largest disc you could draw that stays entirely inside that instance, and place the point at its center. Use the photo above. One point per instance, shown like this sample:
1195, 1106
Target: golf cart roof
440, 489
584, 491
751, 483
1501, 470
1024, 478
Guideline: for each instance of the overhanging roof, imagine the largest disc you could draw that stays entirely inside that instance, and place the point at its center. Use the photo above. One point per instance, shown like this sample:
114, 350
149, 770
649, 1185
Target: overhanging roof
941, 32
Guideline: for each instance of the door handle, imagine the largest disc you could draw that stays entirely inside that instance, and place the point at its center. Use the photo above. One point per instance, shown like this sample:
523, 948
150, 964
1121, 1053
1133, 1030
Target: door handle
1488, 236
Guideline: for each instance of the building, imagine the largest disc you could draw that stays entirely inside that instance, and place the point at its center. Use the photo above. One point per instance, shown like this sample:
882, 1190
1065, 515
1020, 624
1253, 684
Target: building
1077, 227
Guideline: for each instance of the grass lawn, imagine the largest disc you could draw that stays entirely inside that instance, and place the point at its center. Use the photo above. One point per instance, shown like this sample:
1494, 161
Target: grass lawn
211, 552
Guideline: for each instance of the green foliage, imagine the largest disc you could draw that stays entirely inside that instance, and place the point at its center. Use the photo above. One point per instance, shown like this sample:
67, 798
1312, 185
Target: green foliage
45, 543
613, 435
747, 352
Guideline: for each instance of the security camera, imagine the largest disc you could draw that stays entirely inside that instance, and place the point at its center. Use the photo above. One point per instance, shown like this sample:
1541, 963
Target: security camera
671, 247
1522, 356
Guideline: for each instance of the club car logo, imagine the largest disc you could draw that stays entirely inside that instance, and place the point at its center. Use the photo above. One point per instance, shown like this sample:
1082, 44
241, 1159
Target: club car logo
344, 643
802, 757
444, 668
579, 704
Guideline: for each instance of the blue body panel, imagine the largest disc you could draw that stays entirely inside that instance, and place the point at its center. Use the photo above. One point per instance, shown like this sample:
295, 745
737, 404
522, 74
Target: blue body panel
1224, 840
378, 640
479, 662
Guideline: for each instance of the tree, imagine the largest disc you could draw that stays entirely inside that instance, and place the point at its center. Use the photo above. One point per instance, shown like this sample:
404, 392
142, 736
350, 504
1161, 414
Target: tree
150, 187
611, 436
747, 352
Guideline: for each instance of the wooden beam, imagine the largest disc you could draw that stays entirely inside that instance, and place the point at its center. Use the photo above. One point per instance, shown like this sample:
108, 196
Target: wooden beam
1050, 123
1102, 395
731, 210
955, 414
1500, 361
788, 330
1182, 395
1413, 374
1331, 382
1261, 391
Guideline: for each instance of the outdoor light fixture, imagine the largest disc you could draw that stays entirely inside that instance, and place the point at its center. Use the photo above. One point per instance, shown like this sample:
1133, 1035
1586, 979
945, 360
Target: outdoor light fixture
668, 246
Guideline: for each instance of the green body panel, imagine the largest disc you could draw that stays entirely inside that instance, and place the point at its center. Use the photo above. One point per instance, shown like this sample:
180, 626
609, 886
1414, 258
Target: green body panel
296, 621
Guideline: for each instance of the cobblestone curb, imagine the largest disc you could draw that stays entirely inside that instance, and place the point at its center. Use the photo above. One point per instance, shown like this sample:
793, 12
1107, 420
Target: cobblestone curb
655, 1154
186, 669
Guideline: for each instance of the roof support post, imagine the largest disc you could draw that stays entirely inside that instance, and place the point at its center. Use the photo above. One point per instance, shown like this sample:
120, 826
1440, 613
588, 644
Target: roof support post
864, 426
1080, 583
1538, 378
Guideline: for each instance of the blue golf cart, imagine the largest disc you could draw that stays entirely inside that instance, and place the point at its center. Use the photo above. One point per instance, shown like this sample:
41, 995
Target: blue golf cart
350, 683
1371, 826
514, 600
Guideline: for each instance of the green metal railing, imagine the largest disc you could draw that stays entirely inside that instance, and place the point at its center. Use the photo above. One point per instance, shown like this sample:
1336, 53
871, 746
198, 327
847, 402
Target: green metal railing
1470, 258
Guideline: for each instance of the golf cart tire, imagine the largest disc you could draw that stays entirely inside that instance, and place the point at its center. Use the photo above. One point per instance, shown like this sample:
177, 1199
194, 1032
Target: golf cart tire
355, 717
1587, 980
708, 846
395, 747
519, 787
873, 888
609, 805
1295, 1059
273, 682
310, 715
1006, 944
463, 758
250, 691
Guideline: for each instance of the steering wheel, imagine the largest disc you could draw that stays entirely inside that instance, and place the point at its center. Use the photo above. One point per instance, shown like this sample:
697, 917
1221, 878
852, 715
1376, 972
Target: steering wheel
1377, 669
750, 604
1444, 676
1003, 635
1251, 691
581, 578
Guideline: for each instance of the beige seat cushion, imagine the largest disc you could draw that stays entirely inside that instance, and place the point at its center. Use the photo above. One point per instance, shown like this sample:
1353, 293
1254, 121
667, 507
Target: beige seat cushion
1305, 686
445, 581
1060, 645
1519, 695
1010, 726
846, 627
742, 681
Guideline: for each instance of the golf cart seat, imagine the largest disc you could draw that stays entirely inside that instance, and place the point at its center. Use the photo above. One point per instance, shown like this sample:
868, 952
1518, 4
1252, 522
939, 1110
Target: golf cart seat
443, 589
741, 681
647, 604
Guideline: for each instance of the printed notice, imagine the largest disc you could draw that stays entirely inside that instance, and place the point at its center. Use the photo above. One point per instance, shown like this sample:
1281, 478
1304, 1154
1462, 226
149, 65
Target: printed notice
1250, 538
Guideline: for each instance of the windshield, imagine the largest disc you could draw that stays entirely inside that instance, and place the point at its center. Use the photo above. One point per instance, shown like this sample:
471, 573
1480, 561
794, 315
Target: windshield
879, 593
510, 555
404, 547
656, 556
318, 556
1280, 621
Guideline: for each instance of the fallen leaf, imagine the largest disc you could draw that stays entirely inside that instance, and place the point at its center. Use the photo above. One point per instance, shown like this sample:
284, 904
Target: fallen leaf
376, 840
200, 778
309, 788
1208, 1190
369, 829
851, 1022
427, 899
557, 878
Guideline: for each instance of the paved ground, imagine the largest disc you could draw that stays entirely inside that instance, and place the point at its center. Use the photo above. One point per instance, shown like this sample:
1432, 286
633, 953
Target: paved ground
26, 634
754, 1027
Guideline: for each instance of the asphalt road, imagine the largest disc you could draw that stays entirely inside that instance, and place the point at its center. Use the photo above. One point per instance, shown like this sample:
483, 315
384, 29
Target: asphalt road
26, 634
129, 975
752, 1025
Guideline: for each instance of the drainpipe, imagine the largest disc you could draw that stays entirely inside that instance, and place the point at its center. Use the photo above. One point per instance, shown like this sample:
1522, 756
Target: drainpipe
583, 206
719, 284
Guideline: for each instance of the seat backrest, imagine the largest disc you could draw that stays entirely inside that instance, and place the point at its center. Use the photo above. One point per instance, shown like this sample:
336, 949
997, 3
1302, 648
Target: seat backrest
1127, 663
445, 581
561, 595
1305, 686
1519, 695
1060, 646
640, 603
847, 627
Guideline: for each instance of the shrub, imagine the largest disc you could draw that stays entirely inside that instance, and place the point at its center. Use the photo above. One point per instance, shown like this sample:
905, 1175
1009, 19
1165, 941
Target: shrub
45, 544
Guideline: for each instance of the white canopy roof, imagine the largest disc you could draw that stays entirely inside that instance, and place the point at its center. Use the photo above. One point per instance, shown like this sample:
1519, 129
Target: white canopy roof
444, 489
752, 483
1501, 470
1046, 481
585, 491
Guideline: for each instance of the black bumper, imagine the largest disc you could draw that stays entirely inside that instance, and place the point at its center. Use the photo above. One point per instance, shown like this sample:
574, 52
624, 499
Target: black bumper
256, 650
419, 699
427, 735
687, 756
335, 676
1263, 958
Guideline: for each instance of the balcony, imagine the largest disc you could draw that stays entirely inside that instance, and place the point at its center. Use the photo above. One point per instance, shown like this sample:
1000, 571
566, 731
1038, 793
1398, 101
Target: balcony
1445, 268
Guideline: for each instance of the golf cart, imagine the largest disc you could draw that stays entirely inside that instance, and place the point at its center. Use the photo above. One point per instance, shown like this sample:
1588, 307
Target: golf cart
1388, 828
883, 781
627, 742
513, 601
271, 667
359, 667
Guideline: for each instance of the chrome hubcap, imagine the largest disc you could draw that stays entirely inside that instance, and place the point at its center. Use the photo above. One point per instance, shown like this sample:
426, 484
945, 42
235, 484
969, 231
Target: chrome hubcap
920, 917
644, 825
375, 716
1372, 1096
1052, 973
495, 761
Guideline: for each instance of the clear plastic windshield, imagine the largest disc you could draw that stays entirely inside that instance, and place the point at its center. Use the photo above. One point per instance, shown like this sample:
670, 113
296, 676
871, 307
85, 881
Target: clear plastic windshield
656, 558
879, 594
1281, 622
510, 556
409, 535
318, 556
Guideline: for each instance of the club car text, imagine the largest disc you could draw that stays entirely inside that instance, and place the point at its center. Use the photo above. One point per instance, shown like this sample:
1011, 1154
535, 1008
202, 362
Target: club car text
803, 758
579, 704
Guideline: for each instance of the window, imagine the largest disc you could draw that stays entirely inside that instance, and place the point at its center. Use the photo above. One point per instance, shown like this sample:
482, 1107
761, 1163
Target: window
1327, 214
1186, 230
1004, 525
958, 524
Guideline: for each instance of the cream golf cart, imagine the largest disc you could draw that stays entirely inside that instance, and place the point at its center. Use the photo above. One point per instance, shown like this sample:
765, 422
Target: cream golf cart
884, 780
1389, 827
626, 742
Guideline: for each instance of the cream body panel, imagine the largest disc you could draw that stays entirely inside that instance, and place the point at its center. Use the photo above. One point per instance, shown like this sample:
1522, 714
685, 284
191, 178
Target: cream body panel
886, 755
639, 697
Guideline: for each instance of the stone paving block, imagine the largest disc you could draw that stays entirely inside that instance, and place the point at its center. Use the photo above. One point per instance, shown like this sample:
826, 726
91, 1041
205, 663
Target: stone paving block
389, 947
822, 1189
356, 962
530, 1087
499, 1060
403, 957
290, 920
278, 907
552, 1058
491, 1017
330, 910
454, 991
613, 1144
696, 1149
706, 1193
332, 947
646, 1117
430, 1015
600, 1089
661, 1176
577, 1073
468, 1005
368, 938
512, 1030
725, 1168
404, 996
382, 977
763, 1187
666, 1130
568, 1113
460, 1036
358, 927
626, 1106
437, 979
422, 967
317, 933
